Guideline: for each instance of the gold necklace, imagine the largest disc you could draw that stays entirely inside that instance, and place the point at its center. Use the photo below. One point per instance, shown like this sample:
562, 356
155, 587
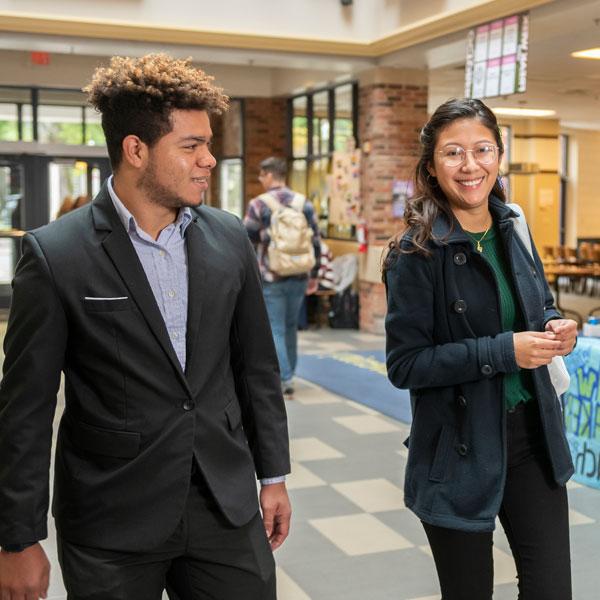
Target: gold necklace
478, 246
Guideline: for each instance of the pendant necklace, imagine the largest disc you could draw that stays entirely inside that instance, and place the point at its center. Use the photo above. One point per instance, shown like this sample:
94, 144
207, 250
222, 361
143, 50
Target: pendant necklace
478, 245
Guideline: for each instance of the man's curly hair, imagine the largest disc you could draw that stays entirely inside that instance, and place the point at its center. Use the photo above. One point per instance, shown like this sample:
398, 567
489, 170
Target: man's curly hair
137, 95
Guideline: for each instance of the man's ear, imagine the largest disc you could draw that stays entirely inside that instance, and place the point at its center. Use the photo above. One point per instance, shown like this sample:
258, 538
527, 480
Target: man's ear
135, 152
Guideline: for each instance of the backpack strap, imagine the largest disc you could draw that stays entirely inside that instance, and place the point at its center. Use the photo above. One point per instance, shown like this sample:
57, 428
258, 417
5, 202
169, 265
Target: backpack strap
298, 201
520, 226
272, 203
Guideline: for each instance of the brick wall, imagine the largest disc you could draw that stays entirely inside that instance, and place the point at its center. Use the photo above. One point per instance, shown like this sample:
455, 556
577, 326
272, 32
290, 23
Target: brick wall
264, 136
390, 118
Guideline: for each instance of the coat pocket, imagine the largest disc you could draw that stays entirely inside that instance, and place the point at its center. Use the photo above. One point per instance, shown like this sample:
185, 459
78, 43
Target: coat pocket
439, 466
106, 304
106, 442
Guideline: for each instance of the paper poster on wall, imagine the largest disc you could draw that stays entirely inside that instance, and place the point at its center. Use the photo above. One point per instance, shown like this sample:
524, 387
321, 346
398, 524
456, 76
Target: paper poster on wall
497, 57
344, 202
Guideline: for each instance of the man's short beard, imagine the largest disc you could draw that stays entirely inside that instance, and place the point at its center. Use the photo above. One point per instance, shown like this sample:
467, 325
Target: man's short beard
157, 193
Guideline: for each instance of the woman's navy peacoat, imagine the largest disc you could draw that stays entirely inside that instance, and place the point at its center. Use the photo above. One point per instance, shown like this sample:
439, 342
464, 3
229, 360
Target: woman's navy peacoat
445, 343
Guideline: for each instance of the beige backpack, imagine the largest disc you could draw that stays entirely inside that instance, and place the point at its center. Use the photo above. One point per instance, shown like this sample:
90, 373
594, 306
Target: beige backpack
290, 249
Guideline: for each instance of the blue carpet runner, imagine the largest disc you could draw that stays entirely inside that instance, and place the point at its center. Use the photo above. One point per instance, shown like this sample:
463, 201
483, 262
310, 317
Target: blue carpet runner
359, 376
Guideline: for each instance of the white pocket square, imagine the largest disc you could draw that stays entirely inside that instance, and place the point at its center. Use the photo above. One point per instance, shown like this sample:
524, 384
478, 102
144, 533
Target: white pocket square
98, 298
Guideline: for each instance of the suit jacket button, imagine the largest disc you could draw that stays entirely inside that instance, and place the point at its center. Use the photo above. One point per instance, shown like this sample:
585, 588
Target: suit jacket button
462, 449
460, 306
460, 258
462, 401
188, 405
487, 370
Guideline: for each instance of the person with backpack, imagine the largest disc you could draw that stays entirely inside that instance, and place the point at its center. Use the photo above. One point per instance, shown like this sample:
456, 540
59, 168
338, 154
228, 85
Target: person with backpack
282, 227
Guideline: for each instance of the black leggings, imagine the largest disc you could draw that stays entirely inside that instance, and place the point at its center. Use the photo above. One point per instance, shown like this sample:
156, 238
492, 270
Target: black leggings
534, 515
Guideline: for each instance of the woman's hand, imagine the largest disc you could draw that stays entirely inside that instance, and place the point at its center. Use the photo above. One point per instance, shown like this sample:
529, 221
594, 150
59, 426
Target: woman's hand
565, 331
535, 348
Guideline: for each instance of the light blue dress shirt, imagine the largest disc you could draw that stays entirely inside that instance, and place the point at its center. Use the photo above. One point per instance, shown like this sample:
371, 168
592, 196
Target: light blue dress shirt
165, 263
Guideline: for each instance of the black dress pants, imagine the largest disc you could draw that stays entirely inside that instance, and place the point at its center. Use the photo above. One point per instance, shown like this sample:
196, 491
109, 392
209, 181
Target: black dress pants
205, 558
534, 515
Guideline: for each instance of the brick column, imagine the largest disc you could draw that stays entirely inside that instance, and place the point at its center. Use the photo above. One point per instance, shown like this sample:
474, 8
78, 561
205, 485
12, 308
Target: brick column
264, 136
392, 110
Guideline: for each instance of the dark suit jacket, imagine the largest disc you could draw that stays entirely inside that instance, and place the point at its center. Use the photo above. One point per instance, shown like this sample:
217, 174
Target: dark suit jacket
133, 419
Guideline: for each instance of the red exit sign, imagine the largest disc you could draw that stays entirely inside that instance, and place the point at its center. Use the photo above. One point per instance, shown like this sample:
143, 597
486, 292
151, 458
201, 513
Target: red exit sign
40, 58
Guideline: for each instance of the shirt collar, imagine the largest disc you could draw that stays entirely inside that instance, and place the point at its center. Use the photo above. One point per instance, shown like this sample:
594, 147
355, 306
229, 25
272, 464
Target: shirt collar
184, 218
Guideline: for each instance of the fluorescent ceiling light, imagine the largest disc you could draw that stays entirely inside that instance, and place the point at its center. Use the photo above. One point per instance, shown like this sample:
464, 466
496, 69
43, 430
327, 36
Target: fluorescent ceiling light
523, 112
590, 53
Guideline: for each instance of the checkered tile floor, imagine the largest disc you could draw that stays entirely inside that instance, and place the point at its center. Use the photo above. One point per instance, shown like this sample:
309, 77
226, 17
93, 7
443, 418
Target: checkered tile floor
351, 537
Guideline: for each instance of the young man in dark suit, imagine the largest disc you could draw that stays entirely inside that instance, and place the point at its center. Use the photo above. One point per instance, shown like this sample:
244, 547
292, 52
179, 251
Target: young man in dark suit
151, 305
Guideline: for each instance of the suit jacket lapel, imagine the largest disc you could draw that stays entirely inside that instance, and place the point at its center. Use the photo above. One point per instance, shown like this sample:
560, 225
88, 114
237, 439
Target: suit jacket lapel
123, 255
196, 257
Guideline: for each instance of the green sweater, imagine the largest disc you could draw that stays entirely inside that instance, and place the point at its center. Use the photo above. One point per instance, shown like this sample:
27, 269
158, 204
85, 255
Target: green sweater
518, 387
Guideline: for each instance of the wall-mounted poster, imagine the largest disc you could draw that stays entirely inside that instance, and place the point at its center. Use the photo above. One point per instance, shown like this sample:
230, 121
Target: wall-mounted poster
344, 203
497, 57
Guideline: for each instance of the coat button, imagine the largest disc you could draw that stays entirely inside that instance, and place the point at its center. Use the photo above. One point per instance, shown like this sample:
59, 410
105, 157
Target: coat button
462, 401
462, 449
188, 405
460, 258
487, 370
460, 306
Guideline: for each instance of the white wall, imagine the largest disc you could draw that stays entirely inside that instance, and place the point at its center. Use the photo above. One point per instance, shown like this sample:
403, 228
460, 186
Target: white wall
364, 21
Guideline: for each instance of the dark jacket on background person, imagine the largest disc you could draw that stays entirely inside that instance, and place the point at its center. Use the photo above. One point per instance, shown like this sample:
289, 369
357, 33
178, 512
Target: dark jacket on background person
134, 420
445, 343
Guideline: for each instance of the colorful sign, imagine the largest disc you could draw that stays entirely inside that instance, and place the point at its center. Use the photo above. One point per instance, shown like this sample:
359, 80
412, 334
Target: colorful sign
581, 410
344, 201
497, 58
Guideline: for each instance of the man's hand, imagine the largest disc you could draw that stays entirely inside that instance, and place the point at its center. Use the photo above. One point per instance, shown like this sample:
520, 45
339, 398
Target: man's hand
276, 511
535, 348
565, 331
24, 575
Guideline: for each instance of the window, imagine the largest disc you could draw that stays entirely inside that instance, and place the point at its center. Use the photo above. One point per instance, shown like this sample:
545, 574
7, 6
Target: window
52, 116
229, 135
320, 123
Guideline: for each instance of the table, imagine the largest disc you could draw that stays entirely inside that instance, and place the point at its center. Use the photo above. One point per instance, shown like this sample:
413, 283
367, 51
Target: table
581, 410
554, 271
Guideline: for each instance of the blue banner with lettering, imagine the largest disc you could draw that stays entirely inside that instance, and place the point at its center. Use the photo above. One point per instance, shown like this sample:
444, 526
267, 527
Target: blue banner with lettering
581, 410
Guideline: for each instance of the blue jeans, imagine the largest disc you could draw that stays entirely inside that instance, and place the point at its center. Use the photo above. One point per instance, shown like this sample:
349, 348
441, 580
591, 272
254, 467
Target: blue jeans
284, 299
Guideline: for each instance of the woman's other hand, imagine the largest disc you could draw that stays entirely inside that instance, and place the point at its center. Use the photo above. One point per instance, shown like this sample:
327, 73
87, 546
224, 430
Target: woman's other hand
565, 330
535, 348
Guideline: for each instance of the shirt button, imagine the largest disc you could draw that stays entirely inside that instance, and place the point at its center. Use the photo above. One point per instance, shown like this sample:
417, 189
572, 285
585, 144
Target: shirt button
486, 370
161, 252
171, 293
188, 405
175, 335
460, 258
460, 306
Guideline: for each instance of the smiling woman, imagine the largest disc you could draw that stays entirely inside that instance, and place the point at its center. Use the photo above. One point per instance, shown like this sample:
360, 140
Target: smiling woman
471, 327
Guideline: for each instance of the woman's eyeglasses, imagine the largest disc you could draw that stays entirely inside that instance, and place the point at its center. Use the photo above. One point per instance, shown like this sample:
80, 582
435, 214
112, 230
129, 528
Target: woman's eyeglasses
453, 156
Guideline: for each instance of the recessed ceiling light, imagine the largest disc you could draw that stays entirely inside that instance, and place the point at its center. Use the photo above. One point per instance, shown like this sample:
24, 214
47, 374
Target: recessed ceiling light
523, 112
590, 53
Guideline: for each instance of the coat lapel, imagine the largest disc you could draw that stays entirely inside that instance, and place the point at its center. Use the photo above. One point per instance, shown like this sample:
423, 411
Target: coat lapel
196, 257
119, 248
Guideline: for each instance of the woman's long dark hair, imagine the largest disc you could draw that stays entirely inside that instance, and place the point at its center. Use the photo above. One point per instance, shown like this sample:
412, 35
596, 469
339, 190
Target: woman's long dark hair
429, 200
